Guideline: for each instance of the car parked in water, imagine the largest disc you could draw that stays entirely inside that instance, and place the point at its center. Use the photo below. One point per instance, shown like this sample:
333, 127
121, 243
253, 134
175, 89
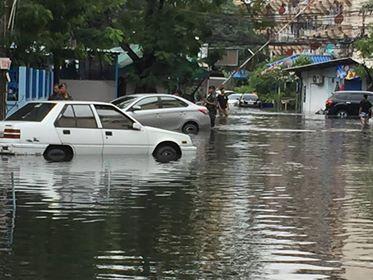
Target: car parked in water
165, 111
59, 130
234, 99
344, 104
249, 100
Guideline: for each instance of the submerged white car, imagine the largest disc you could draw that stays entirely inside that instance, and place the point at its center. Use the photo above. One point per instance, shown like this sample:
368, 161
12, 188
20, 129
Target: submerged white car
59, 130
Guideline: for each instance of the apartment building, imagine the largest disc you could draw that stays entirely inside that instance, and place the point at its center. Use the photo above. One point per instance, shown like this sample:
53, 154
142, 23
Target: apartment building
322, 27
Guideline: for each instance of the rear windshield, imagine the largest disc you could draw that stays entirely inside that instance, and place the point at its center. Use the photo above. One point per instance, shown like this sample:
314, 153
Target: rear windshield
234, 96
32, 112
124, 102
250, 97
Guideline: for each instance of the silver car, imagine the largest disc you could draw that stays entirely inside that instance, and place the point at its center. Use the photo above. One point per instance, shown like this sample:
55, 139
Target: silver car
165, 111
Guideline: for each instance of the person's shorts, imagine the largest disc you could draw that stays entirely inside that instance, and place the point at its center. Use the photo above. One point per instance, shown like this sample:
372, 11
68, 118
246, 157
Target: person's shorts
364, 115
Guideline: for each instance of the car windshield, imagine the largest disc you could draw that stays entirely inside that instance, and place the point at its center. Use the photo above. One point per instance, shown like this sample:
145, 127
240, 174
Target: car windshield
32, 112
250, 97
124, 102
234, 96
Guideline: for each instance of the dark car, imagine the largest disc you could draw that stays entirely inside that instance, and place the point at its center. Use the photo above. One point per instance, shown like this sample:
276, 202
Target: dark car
249, 100
344, 104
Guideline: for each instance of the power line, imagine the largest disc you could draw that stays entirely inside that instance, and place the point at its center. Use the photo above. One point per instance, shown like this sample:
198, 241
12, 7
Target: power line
267, 43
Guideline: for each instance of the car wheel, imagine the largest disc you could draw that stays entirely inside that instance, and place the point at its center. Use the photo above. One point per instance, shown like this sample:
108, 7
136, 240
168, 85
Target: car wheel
166, 153
58, 154
190, 128
342, 114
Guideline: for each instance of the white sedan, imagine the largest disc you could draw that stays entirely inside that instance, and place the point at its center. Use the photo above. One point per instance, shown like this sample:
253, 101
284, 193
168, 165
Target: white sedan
58, 130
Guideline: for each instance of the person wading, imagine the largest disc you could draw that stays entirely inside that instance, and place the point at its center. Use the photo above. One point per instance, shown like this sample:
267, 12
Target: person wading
223, 103
211, 104
365, 108
56, 93
63, 92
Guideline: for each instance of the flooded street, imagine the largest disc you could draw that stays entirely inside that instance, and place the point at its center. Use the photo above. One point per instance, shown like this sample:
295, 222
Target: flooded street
267, 196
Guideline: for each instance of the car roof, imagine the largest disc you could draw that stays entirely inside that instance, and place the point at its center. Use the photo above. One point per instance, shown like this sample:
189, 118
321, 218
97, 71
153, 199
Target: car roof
353, 91
140, 95
250, 94
70, 102
146, 94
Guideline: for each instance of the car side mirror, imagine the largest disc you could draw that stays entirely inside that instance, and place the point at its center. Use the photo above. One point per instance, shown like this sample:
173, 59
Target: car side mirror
136, 108
136, 126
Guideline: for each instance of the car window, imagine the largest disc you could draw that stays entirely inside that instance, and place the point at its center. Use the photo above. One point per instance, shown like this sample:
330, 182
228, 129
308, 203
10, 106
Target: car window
249, 97
124, 101
32, 112
354, 96
66, 118
148, 103
111, 118
342, 95
84, 116
78, 116
234, 96
172, 102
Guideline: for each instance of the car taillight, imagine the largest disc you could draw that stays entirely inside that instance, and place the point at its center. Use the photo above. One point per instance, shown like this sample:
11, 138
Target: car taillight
204, 111
329, 102
11, 133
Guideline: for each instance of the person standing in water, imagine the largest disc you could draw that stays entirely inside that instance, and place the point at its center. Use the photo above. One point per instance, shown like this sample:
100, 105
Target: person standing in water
365, 109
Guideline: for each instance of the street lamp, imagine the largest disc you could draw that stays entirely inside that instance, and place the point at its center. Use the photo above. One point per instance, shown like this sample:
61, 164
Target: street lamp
247, 4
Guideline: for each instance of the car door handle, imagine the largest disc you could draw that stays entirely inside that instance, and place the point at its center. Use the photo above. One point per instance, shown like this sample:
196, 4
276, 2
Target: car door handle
66, 132
108, 133
348, 102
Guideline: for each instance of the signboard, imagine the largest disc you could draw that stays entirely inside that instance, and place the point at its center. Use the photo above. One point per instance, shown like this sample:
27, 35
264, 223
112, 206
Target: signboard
230, 58
5, 63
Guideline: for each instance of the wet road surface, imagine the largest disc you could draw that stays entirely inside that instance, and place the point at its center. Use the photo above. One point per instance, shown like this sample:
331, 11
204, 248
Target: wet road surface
267, 196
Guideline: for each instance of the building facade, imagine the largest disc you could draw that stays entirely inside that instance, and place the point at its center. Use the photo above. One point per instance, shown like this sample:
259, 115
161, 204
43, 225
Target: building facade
323, 26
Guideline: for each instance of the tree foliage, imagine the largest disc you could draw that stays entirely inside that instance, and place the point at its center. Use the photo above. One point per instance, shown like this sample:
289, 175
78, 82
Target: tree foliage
170, 33
62, 29
267, 82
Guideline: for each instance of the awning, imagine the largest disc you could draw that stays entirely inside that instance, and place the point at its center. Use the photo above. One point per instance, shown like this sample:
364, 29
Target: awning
241, 75
290, 60
125, 60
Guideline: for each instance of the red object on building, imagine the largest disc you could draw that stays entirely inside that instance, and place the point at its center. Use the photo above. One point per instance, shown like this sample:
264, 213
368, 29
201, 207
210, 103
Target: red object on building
339, 19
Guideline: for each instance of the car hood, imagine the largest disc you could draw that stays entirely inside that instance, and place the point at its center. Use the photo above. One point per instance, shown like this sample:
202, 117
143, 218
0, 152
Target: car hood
173, 134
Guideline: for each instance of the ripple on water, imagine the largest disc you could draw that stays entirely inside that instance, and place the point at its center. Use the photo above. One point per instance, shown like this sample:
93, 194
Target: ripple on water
267, 196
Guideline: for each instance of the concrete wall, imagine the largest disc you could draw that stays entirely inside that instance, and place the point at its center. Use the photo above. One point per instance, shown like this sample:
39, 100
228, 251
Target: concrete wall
130, 89
314, 95
87, 90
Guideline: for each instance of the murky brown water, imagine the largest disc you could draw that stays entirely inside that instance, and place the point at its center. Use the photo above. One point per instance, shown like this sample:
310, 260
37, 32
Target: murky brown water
266, 197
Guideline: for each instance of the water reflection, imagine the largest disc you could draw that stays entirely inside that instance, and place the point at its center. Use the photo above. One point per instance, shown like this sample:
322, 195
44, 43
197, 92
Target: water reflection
267, 196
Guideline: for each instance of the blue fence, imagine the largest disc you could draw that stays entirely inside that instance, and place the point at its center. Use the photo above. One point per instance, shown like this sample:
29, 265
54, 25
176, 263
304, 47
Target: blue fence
27, 84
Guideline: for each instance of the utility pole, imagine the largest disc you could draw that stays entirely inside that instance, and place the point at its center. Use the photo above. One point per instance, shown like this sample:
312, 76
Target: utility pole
8, 9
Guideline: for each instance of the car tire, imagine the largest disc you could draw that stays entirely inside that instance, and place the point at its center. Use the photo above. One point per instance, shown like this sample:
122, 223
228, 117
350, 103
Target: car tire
342, 114
190, 128
58, 154
166, 153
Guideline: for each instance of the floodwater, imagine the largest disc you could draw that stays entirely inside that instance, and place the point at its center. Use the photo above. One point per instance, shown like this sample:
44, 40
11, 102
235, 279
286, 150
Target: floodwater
267, 196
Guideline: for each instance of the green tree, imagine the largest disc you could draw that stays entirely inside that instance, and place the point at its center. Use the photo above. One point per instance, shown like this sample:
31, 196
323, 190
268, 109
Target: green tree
271, 83
63, 29
170, 34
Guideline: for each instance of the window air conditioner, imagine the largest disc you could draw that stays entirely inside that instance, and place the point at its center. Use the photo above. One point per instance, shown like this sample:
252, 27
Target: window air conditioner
318, 79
